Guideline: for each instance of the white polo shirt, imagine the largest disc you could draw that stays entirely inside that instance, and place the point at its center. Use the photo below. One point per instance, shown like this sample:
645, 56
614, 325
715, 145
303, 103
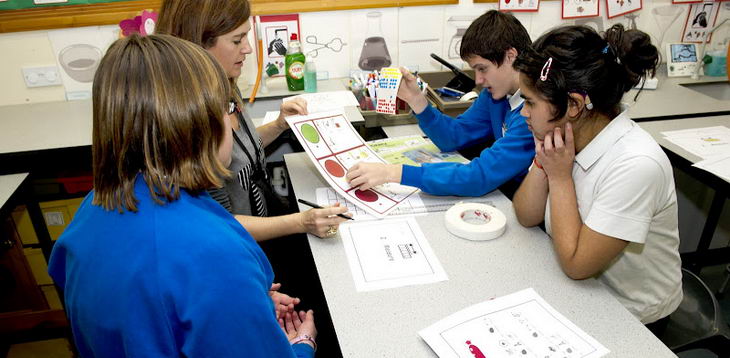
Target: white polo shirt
625, 189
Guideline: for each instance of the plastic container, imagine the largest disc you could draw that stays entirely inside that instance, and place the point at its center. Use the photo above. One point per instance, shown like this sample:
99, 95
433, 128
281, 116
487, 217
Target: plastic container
310, 77
718, 65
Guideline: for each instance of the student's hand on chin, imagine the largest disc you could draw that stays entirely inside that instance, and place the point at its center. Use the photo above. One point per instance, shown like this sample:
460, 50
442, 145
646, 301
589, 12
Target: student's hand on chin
557, 153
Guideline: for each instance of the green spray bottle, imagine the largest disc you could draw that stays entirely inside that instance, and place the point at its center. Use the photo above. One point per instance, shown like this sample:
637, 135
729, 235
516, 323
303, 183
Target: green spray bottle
294, 62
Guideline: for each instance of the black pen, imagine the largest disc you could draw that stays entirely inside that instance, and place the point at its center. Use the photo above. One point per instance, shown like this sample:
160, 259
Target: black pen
309, 203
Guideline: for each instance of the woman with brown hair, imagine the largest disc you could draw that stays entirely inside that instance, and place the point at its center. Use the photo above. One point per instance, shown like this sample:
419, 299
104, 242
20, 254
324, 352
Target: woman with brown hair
222, 27
151, 265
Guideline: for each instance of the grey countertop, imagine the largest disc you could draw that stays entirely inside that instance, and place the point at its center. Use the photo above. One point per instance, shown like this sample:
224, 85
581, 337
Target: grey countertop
385, 323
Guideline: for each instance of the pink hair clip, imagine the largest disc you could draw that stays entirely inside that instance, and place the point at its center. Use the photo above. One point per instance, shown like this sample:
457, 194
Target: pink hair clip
546, 69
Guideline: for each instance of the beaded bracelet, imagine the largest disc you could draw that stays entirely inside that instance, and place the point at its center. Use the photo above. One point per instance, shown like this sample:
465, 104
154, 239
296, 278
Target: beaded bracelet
303, 337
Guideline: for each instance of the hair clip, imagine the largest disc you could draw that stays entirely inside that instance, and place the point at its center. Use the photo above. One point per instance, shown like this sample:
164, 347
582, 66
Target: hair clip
546, 69
605, 49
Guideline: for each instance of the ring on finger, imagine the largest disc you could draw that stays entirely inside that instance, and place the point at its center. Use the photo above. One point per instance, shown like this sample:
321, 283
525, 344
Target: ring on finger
331, 231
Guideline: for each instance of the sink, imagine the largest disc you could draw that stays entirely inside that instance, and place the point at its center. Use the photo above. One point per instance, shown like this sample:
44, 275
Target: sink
716, 90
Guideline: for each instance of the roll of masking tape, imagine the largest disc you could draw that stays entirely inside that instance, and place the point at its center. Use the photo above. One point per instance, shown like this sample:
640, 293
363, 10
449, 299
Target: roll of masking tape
474, 221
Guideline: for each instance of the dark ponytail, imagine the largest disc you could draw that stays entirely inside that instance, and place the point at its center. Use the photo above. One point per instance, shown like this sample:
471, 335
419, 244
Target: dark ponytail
604, 68
634, 50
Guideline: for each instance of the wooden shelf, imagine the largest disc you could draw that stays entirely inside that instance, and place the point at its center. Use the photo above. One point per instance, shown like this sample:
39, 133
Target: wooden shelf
112, 13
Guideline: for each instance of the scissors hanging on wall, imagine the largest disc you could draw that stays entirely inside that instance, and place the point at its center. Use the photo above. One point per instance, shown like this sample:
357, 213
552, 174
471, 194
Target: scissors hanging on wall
335, 45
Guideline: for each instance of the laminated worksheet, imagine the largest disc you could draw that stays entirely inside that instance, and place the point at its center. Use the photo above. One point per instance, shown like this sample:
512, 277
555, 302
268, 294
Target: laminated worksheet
393, 253
413, 150
521, 324
334, 146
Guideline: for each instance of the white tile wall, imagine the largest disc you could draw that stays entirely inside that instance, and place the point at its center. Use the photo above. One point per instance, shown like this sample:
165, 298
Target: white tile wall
411, 34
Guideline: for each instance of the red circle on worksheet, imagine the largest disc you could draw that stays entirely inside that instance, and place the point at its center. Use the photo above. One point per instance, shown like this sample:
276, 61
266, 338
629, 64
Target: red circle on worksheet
367, 195
334, 168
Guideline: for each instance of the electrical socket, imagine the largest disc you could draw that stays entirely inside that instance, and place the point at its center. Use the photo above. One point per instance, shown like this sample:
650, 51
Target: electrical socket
41, 76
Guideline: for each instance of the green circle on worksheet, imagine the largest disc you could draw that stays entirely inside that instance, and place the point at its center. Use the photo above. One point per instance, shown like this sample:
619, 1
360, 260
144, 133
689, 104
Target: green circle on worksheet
310, 134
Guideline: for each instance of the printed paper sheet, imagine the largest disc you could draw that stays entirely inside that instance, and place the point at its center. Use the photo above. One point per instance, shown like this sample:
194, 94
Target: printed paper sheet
334, 147
416, 204
521, 324
393, 253
702, 142
718, 165
326, 101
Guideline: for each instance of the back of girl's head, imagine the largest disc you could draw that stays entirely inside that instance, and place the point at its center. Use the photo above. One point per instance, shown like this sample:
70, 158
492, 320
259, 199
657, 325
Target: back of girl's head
201, 21
604, 68
492, 34
158, 111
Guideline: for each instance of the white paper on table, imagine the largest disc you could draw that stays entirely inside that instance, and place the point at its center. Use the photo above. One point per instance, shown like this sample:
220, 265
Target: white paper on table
270, 116
702, 142
519, 324
334, 146
416, 204
718, 165
326, 101
393, 253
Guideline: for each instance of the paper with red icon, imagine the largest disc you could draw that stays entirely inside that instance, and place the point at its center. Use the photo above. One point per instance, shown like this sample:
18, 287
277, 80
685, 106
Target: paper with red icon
334, 146
521, 324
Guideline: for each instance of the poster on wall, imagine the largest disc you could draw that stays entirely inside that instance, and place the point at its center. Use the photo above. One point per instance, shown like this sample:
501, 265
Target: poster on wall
621, 7
573, 9
78, 52
276, 32
700, 19
519, 5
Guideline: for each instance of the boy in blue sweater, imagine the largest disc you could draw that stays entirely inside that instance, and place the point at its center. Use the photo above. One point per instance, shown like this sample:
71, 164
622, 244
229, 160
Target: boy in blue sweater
490, 46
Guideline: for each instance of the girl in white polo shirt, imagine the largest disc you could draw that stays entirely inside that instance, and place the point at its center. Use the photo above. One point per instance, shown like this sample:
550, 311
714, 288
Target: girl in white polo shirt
602, 185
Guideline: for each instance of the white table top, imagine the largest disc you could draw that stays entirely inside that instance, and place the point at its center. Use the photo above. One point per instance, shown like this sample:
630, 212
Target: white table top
656, 127
385, 323
672, 99
9, 184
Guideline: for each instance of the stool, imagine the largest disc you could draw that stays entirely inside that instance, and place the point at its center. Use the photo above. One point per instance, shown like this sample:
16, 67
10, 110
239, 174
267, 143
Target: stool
698, 321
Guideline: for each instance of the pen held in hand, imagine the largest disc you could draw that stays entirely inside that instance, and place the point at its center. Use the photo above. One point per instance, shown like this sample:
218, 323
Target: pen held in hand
309, 203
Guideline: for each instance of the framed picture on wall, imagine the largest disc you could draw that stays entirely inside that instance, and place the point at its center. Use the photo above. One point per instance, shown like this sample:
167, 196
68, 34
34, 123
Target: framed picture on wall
621, 7
276, 30
700, 19
573, 9
519, 5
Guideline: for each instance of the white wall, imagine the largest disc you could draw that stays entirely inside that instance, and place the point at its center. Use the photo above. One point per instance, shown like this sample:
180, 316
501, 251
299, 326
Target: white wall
410, 36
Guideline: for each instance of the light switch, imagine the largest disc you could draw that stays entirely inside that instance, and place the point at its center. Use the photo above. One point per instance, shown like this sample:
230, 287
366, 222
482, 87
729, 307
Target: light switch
41, 76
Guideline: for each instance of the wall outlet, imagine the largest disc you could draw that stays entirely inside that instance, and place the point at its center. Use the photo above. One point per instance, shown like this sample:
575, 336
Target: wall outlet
41, 76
